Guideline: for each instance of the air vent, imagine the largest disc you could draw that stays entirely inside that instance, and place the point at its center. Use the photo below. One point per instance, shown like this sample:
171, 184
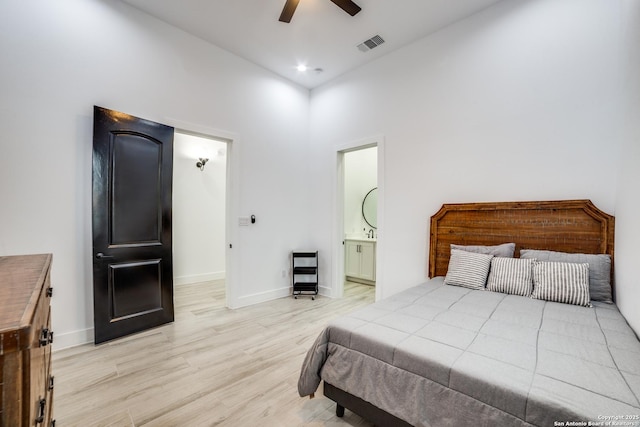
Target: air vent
367, 45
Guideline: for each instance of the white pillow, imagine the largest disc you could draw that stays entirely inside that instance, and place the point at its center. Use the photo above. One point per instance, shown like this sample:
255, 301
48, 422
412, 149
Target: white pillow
467, 269
511, 276
565, 282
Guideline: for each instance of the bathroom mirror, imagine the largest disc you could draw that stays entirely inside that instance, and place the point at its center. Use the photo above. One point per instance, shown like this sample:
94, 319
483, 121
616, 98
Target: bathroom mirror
370, 208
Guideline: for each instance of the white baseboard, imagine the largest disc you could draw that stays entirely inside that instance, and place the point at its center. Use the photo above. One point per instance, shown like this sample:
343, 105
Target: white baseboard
72, 339
324, 291
283, 292
261, 297
197, 278
85, 336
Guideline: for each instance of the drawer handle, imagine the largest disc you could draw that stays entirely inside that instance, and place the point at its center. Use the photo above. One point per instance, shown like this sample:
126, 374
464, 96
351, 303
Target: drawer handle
43, 404
46, 337
51, 382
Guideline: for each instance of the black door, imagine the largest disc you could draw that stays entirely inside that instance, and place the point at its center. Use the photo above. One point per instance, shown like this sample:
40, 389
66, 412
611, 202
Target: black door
132, 257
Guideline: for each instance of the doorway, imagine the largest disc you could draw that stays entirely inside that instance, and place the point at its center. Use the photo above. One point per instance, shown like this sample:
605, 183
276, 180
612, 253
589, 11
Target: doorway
232, 161
360, 213
199, 208
199, 218
359, 169
132, 216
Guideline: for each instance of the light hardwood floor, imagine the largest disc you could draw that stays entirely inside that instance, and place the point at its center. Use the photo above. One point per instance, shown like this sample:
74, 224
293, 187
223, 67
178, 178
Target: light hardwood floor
211, 367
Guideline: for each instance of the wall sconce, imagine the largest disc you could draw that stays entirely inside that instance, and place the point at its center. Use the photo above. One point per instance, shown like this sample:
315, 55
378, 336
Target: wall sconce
201, 163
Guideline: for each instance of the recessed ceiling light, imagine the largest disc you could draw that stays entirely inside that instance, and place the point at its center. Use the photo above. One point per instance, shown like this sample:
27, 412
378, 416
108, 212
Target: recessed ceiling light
302, 68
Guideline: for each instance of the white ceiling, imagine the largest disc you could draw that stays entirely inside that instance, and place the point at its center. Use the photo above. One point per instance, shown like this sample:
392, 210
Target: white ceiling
320, 34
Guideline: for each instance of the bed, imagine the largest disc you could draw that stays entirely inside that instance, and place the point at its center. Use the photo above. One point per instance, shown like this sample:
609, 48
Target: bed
441, 354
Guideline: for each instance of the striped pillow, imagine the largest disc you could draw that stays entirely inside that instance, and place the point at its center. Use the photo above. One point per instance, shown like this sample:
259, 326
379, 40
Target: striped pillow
467, 269
511, 276
599, 269
564, 282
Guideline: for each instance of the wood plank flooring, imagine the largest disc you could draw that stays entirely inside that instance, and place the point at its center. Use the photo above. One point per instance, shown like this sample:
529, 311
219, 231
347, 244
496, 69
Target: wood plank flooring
211, 367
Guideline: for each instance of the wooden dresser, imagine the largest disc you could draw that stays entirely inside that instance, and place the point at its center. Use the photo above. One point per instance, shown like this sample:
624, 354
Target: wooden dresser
26, 381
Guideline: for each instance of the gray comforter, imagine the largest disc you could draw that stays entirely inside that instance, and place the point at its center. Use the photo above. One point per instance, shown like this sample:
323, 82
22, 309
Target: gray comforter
437, 355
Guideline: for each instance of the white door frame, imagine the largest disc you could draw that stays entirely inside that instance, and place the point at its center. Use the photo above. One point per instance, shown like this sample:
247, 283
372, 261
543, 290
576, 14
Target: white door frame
338, 222
232, 201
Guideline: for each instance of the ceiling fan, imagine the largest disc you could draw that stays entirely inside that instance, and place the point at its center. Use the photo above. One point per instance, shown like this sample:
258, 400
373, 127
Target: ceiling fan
290, 6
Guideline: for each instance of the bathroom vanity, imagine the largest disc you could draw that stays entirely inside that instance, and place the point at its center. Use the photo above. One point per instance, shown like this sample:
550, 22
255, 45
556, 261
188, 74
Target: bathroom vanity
360, 260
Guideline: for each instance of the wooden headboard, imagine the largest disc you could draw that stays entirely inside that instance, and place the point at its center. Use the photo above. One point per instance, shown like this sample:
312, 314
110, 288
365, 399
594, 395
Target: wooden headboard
575, 226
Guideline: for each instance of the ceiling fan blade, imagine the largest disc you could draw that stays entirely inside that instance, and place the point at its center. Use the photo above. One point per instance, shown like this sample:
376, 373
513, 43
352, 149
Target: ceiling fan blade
348, 6
287, 11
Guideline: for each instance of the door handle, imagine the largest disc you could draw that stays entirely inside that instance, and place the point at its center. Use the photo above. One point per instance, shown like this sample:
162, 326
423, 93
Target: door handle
100, 255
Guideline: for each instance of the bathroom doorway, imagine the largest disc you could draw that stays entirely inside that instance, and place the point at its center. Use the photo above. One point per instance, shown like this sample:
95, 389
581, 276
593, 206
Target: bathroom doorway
359, 241
360, 215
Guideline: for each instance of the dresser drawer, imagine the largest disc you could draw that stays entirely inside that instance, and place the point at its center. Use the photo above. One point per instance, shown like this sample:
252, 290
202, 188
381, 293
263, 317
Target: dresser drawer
39, 355
25, 326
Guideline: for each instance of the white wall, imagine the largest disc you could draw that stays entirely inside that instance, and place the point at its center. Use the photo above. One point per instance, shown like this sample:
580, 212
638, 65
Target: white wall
360, 176
198, 209
628, 201
526, 100
522, 101
58, 60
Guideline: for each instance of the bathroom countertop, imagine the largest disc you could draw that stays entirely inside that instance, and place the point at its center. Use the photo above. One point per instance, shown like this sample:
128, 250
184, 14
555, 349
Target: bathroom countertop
361, 238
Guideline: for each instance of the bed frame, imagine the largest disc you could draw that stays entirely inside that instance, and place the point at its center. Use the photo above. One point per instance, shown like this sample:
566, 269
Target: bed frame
576, 226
